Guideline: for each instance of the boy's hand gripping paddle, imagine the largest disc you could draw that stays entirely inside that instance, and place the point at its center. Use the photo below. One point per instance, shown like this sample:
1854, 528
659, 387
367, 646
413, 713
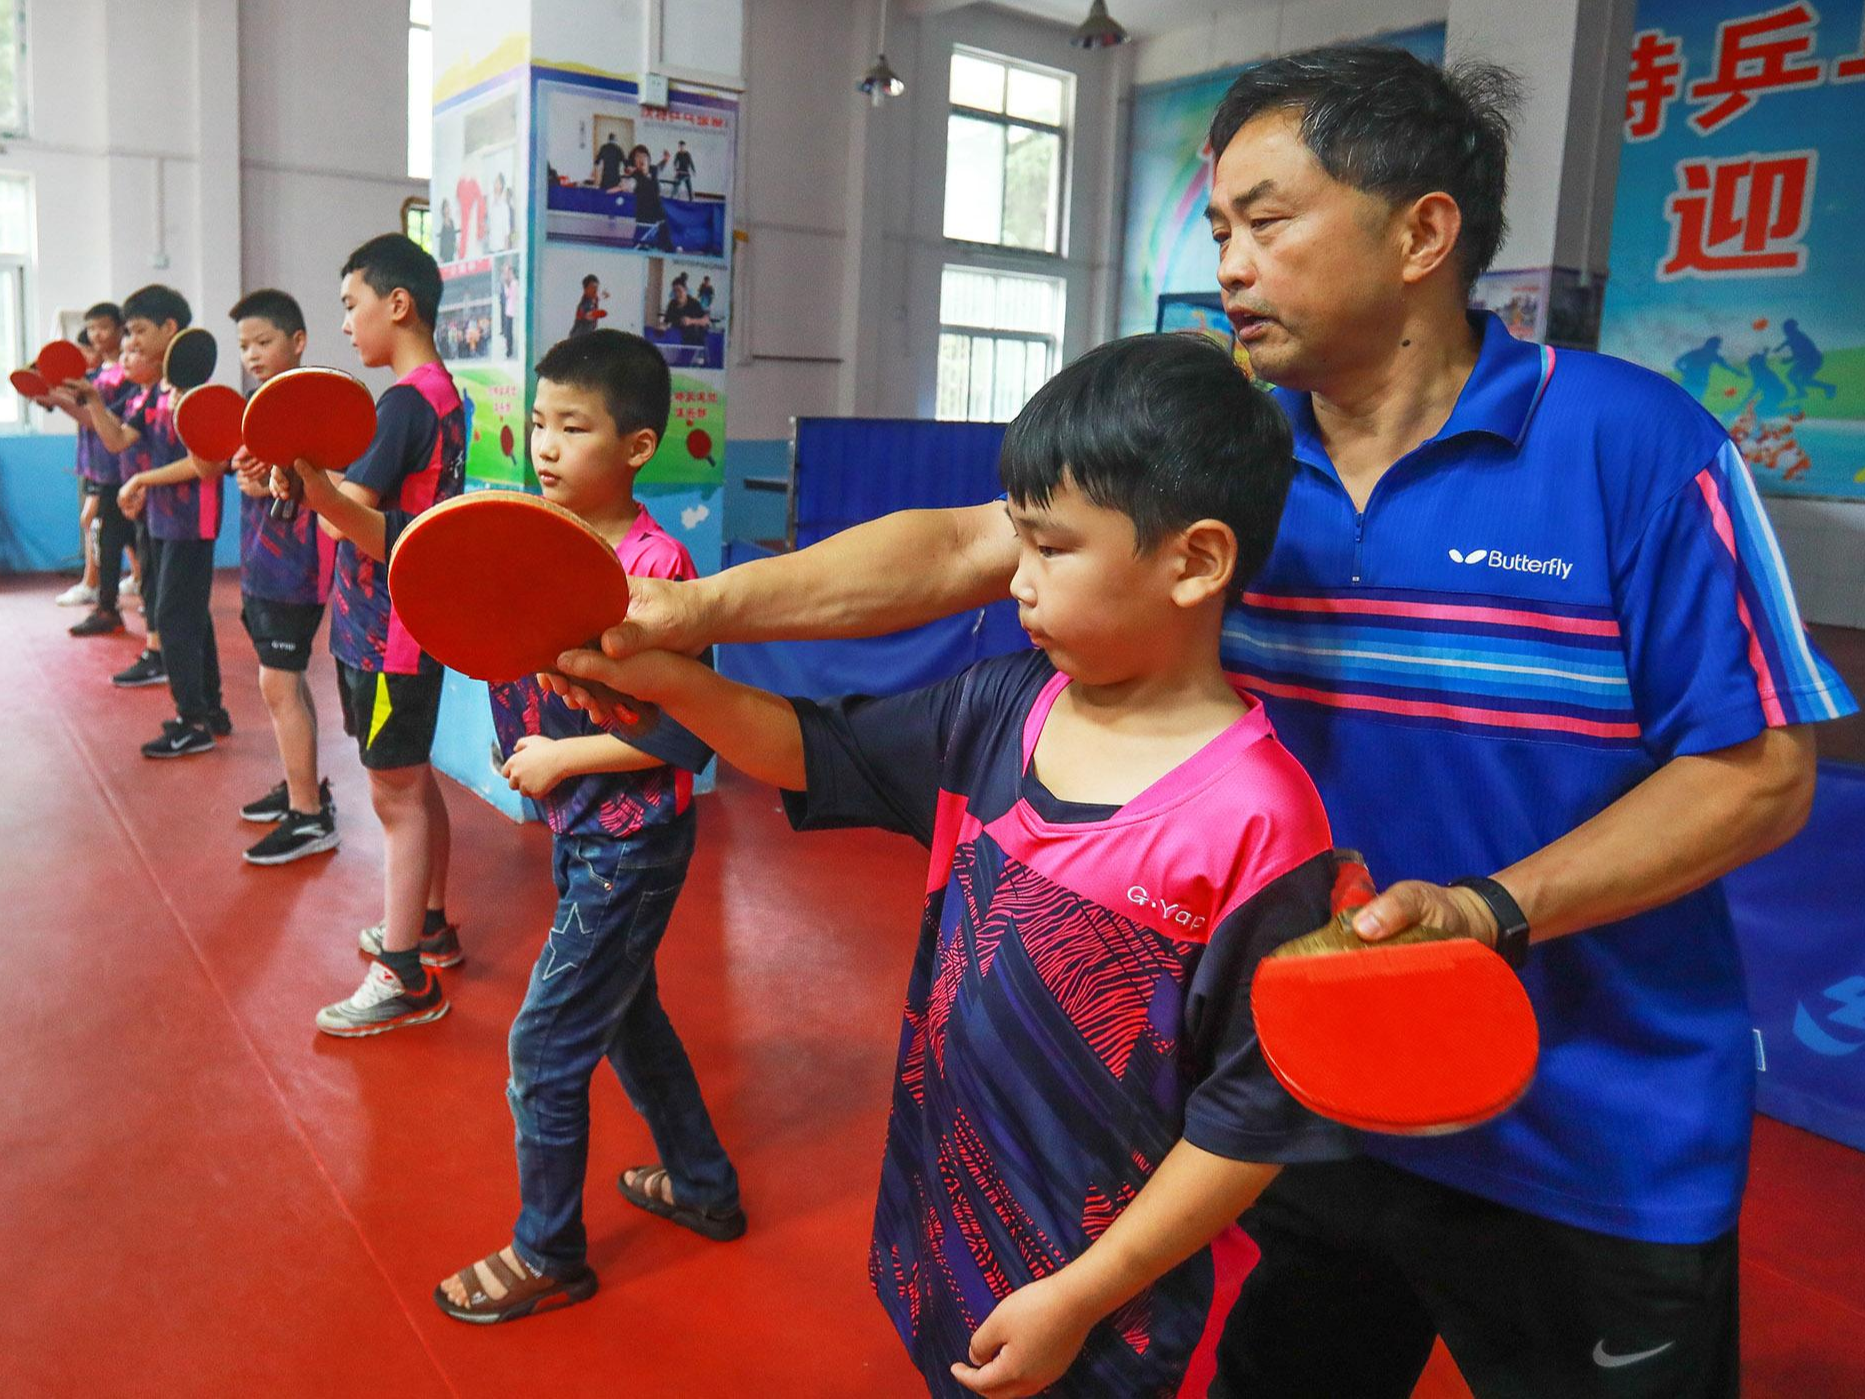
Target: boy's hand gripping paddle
190, 359
322, 415
57, 362
207, 419
1421, 1033
497, 584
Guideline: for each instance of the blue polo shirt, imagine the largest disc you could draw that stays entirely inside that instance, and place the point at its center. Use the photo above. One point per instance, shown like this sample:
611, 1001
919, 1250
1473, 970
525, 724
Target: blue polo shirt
1571, 584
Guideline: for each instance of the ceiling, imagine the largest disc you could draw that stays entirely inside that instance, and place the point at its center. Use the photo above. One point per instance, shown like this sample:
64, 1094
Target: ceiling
1143, 19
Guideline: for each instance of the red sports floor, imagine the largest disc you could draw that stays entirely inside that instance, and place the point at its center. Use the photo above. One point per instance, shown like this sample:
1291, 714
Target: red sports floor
201, 1195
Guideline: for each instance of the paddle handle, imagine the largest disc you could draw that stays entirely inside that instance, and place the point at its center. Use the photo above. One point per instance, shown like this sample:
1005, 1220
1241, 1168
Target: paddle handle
1353, 883
285, 508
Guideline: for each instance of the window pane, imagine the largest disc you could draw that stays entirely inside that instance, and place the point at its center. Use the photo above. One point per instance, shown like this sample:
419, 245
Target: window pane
1032, 189
1008, 398
16, 216
1035, 372
978, 408
421, 12
954, 377
420, 103
1035, 97
974, 180
977, 82
1025, 303
12, 406
12, 118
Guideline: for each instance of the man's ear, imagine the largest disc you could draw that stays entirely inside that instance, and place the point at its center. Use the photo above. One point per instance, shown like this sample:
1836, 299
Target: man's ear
1207, 560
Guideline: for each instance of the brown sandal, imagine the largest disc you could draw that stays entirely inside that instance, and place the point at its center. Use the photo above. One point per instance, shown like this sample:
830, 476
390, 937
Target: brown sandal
722, 1226
526, 1291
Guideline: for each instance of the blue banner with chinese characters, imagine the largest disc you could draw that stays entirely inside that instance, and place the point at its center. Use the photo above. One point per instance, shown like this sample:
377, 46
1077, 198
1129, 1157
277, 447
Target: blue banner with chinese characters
1738, 223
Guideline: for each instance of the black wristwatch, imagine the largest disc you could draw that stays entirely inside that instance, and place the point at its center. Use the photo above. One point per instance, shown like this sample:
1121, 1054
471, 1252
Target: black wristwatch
1511, 926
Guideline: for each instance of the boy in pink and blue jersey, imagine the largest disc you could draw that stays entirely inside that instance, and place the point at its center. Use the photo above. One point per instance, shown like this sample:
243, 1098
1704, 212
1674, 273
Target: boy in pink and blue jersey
619, 804
1081, 1108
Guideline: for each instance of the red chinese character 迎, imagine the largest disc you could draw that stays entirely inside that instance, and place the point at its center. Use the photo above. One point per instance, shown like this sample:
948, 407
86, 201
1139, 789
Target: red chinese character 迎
1740, 216
1657, 76
1749, 61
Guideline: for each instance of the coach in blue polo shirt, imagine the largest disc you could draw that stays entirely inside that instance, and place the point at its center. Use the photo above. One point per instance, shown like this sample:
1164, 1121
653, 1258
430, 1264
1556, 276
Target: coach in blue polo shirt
1527, 626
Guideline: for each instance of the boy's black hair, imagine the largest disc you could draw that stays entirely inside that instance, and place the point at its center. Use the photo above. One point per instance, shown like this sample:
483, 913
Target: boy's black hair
105, 311
592, 277
626, 370
1166, 430
270, 304
156, 303
84, 337
1395, 126
394, 261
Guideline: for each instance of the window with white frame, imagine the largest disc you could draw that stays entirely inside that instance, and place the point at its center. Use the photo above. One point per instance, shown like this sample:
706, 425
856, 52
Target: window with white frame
12, 67
15, 263
1000, 338
420, 89
1006, 152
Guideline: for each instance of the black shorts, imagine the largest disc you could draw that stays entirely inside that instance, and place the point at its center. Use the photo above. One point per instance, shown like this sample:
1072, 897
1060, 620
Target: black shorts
88, 487
1364, 1265
282, 632
391, 717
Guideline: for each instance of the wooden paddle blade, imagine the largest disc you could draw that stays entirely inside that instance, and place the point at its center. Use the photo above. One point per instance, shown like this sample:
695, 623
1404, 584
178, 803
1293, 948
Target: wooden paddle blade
1417, 1039
322, 415
497, 584
29, 383
207, 419
60, 361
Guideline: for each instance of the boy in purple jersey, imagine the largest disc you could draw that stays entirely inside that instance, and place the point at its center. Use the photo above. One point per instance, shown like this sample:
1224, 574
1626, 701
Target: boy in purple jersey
101, 472
285, 571
390, 687
1081, 1109
181, 497
622, 824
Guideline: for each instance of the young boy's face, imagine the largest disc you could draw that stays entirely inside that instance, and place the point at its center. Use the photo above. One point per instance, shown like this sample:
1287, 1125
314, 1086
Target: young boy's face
583, 462
1096, 607
368, 321
144, 345
265, 349
106, 336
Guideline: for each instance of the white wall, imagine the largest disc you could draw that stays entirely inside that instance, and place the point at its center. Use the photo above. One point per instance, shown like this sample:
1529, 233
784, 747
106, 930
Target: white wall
1243, 33
837, 283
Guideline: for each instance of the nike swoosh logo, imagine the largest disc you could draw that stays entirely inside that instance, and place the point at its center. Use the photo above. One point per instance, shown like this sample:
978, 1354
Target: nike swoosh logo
1608, 1361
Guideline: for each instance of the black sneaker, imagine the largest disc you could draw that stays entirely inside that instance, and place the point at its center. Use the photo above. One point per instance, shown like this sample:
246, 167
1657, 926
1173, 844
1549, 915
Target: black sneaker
299, 834
179, 739
220, 723
99, 623
275, 805
148, 670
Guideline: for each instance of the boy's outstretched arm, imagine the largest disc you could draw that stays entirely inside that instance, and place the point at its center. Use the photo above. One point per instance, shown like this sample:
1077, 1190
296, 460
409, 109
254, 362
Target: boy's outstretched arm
1034, 1334
755, 731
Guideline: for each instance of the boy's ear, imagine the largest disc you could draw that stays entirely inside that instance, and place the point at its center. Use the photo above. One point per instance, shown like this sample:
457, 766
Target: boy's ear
641, 444
401, 306
1207, 561
298, 341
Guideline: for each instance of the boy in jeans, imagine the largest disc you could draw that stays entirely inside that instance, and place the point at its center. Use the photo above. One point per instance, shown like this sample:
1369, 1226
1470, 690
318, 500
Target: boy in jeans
1081, 1109
622, 826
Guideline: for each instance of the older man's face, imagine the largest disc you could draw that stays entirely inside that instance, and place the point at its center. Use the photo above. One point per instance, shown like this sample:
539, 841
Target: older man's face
1309, 267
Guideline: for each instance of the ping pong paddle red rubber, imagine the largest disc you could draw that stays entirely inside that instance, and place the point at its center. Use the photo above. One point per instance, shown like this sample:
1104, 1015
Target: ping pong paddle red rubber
58, 361
322, 415
208, 418
497, 584
1423, 1033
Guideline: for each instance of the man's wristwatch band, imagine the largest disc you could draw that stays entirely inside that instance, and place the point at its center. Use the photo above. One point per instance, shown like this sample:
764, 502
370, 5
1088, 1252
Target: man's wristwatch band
1511, 926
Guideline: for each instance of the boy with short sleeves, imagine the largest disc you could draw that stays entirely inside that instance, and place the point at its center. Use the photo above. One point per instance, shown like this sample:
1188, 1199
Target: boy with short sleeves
286, 566
390, 688
1081, 1109
181, 499
101, 470
622, 823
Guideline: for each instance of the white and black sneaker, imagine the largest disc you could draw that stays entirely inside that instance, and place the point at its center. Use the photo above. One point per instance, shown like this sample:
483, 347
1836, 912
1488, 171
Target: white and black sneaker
275, 805
439, 949
179, 739
148, 670
298, 834
383, 1003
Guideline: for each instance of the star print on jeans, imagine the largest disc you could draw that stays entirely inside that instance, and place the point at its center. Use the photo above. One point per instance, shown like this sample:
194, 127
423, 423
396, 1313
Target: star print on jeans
554, 962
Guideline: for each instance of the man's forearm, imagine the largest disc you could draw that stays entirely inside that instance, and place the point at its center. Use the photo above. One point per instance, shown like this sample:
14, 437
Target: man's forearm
1693, 820
898, 571
1189, 1201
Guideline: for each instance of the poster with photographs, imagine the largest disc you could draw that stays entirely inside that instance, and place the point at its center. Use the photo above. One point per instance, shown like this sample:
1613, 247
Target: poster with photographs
480, 210
654, 179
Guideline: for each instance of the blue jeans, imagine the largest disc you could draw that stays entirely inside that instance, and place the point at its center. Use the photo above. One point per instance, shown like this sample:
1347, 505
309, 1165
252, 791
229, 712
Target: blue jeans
593, 995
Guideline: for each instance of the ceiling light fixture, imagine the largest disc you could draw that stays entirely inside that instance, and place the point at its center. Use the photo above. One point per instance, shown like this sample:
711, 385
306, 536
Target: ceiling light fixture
1099, 30
881, 81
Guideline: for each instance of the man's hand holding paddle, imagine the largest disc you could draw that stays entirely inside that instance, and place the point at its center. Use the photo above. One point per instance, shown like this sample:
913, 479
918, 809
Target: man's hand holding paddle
662, 616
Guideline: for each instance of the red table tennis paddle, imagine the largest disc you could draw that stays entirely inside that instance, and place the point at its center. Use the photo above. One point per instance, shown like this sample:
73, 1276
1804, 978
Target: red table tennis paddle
497, 584
29, 383
207, 419
322, 415
58, 361
1420, 1034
